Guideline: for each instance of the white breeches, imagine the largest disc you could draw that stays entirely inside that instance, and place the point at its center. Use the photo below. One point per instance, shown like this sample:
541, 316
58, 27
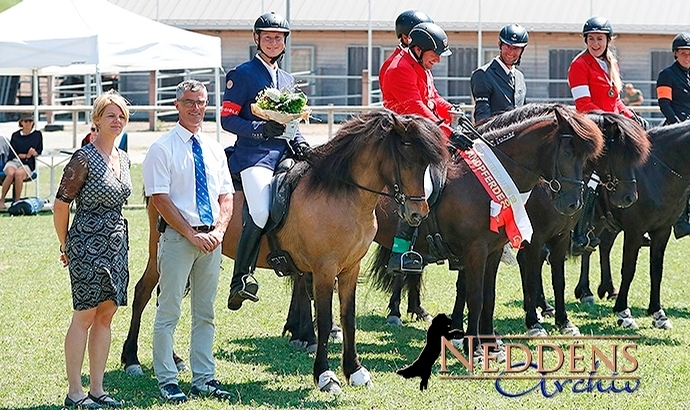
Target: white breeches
256, 182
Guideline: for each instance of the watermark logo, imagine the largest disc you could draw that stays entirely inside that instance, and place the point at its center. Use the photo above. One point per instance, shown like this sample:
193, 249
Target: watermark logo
553, 365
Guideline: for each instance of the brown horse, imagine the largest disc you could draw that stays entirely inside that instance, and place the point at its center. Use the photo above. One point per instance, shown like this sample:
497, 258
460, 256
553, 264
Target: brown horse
662, 183
627, 146
549, 141
331, 222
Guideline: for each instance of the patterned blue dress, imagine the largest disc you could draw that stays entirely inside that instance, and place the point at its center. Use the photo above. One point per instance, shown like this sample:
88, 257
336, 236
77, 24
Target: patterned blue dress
97, 241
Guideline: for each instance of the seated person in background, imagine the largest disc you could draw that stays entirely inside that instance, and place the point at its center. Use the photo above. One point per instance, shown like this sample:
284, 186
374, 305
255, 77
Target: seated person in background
631, 95
91, 136
27, 143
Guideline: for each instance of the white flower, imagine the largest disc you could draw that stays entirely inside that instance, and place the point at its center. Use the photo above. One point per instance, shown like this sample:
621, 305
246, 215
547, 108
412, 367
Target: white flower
273, 94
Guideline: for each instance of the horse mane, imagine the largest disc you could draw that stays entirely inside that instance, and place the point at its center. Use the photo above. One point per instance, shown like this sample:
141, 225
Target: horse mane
381, 130
588, 141
668, 133
633, 143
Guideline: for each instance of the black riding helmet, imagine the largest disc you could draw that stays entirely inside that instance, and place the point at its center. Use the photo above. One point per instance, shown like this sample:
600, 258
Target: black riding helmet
408, 19
514, 35
271, 22
682, 40
429, 36
597, 24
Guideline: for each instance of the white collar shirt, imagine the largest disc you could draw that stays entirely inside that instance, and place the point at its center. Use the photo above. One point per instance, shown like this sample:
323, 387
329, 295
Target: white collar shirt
273, 71
168, 168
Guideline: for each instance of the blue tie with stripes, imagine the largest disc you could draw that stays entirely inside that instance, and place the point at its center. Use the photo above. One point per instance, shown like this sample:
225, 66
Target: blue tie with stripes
203, 203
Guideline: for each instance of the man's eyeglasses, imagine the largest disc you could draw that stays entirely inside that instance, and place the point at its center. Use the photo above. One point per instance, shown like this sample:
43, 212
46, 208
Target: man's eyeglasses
193, 103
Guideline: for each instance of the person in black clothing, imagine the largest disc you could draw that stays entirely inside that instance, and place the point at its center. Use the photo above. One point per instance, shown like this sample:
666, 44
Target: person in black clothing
672, 88
28, 144
499, 86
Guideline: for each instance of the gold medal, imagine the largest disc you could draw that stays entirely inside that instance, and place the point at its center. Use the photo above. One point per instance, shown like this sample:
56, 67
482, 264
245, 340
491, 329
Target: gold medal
611, 92
431, 104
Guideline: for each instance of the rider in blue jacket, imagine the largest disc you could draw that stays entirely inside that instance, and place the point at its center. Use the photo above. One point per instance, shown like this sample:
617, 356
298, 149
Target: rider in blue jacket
259, 146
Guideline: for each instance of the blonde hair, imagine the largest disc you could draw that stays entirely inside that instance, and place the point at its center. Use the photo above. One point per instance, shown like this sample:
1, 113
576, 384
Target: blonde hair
612, 62
107, 98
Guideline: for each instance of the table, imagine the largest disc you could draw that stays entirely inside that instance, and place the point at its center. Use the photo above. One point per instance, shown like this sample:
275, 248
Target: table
52, 159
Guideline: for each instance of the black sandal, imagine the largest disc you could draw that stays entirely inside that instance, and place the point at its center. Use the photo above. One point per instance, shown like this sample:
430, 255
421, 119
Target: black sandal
80, 404
105, 400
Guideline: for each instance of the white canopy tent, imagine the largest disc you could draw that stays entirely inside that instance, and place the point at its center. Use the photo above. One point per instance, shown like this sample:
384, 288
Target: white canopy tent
80, 37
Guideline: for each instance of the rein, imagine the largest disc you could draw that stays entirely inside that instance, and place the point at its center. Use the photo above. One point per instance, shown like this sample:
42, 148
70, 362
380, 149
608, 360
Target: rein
554, 184
398, 195
671, 170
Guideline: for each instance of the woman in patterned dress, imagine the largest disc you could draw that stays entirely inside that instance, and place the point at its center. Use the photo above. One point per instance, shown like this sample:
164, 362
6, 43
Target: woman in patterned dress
95, 247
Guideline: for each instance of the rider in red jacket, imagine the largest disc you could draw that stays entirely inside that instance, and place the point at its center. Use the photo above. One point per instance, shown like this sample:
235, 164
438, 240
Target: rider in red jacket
407, 87
403, 25
595, 83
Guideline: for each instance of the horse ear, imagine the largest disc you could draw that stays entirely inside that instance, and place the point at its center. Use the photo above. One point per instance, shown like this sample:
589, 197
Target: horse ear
561, 117
400, 124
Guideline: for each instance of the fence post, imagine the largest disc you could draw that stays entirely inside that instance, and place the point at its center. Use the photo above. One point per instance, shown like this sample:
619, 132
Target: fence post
152, 100
331, 118
365, 87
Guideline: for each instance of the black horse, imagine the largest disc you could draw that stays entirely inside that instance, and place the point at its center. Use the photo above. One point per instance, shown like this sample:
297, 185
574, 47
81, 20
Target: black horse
550, 141
627, 147
662, 185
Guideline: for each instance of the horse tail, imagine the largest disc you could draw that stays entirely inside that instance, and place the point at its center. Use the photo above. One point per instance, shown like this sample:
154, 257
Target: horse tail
377, 270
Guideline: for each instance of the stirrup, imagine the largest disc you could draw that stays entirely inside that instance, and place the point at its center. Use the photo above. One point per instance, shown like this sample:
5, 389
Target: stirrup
247, 291
411, 263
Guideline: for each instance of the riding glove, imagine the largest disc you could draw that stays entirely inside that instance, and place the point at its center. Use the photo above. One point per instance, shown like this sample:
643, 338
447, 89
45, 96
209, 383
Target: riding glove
302, 150
273, 129
460, 141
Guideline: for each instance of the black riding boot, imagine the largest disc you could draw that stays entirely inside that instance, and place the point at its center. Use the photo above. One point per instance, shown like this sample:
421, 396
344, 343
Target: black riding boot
583, 235
403, 259
243, 285
682, 226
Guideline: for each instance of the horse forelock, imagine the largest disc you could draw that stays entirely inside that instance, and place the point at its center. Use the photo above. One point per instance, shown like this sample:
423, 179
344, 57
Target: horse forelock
424, 140
631, 142
588, 141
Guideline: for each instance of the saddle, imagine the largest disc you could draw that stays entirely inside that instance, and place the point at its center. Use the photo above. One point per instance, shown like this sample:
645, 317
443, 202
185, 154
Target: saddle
285, 179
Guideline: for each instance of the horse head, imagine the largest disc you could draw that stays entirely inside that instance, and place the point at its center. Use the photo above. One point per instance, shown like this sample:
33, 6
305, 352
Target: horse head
627, 147
414, 143
562, 139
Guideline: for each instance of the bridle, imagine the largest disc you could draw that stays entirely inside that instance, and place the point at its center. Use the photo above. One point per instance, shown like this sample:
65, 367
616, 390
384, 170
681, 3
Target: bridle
612, 180
398, 195
555, 183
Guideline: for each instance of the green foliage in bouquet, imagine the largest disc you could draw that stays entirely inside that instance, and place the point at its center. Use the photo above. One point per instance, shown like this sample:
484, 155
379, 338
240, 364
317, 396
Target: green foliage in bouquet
282, 101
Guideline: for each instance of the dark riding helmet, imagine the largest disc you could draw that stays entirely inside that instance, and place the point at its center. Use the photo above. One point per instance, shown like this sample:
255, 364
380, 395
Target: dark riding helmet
682, 40
429, 36
514, 35
597, 24
408, 19
272, 22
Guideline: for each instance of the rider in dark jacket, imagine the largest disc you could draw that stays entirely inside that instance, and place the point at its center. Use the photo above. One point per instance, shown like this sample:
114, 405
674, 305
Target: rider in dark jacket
673, 92
499, 86
259, 147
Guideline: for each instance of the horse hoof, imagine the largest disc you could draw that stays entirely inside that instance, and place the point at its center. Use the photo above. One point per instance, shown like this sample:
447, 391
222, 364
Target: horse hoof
536, 330
134, 370
625, 320
660, 321
587, 300
394, 321
569, 329
328, 382
311, 349
548, 311
298, 344
361, 377
337, 336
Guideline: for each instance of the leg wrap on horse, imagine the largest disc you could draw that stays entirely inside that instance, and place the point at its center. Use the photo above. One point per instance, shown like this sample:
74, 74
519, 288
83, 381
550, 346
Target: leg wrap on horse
243, 285
403, 259
583, 235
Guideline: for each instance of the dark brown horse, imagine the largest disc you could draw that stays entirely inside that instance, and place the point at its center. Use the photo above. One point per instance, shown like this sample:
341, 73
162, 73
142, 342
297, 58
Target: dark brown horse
627, 146
662, 184
331, 222
549, 141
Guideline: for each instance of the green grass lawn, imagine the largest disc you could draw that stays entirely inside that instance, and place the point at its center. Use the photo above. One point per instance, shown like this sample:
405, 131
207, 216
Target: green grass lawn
255, 362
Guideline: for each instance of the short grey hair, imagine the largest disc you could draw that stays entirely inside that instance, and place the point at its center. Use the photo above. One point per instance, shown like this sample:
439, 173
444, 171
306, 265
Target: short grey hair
189, 85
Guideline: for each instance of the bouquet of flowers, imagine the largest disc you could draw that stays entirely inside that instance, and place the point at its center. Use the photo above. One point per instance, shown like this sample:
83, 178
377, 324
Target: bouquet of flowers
281, 106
